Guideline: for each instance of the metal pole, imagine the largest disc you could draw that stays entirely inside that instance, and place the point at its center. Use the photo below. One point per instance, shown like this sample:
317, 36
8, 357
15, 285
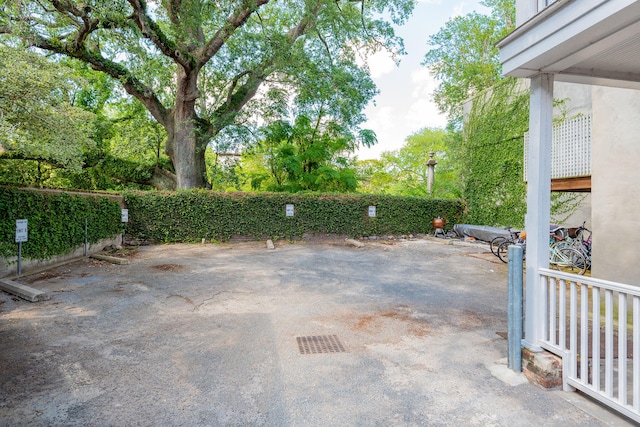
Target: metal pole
85, 238
514, 315
19, 258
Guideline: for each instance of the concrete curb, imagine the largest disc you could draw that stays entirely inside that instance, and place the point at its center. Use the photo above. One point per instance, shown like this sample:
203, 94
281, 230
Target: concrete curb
23, 291
111, 259
355, 243
9, 268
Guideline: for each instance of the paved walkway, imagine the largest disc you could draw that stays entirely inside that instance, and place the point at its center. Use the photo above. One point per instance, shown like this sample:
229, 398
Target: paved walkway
200, 335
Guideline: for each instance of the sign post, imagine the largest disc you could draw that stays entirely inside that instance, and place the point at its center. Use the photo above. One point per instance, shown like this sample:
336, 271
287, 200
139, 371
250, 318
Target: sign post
125, 219
22, 235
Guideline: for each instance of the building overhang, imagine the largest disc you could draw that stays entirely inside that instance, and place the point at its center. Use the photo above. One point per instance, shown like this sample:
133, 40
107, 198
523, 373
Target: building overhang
580, 41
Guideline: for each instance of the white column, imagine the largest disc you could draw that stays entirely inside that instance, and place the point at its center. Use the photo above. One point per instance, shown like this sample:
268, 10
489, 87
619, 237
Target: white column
538, 204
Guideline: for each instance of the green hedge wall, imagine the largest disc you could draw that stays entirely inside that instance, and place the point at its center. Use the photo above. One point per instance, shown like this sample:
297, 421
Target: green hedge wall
191, 215
56, 221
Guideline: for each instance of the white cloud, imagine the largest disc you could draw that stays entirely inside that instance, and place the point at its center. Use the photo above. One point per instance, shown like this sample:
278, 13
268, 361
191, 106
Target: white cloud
424, 113
383, 119
404, 105
423, 83
381, 63
463, 8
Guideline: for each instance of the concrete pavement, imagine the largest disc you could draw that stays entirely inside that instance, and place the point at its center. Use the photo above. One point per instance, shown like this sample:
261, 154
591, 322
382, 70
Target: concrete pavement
207, 335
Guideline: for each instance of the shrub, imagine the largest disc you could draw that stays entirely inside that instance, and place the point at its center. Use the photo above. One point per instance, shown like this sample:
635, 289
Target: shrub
191, 215
56, 221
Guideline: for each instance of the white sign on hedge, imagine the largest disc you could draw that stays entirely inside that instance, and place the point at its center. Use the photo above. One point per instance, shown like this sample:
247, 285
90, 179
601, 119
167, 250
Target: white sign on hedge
289, 210
22, 233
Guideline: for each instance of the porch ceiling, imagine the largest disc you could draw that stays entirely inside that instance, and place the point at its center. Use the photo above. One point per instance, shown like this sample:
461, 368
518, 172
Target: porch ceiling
581, 41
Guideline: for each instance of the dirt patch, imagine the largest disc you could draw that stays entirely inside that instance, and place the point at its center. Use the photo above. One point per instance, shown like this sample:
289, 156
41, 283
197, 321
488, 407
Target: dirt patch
123, 251
487, 256
46, 275
468, 320
329, 239
396, 321
169, 267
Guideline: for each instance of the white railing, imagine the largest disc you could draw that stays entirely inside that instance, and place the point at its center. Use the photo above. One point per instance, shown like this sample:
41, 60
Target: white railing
570, 149
594, 325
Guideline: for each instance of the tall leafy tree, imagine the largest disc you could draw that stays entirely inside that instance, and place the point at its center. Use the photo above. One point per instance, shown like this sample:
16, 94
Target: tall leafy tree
405, 171
201, 66
38, 119
307, 155
464, 56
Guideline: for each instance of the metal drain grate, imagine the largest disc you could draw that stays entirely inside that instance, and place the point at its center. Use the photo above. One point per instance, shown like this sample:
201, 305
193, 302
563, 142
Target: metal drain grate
320, 344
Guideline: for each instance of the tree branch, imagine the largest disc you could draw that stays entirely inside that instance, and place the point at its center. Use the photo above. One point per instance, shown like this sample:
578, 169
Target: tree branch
132, 85
234, 83
237, 99
14, 155
152, 31
235, 21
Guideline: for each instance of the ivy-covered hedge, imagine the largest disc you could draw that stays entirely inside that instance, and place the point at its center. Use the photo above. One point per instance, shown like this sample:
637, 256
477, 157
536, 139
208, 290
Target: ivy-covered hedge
192, 215
56, 221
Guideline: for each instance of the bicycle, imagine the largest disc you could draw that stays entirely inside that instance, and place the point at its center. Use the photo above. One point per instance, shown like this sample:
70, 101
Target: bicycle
503, 249
570, 250
496, 241
567, 258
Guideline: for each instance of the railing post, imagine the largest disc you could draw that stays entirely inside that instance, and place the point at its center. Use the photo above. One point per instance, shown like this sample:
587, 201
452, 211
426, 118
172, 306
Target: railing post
514, 315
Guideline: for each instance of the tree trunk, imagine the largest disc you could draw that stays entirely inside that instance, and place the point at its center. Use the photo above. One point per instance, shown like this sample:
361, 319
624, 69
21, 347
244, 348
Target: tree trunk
184, 144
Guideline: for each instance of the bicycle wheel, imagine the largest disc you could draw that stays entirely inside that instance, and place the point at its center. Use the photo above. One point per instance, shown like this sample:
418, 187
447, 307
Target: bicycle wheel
495, 242
568, 259
503, 250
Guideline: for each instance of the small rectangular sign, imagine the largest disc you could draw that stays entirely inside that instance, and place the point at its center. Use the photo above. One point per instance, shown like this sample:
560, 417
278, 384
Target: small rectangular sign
372, 211
289, 210
22, 233
125, 215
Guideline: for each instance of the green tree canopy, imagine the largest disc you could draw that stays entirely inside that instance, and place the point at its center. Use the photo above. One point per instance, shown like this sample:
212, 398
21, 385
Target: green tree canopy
202, 66
405, 171
38, 120
464, 56
304, 156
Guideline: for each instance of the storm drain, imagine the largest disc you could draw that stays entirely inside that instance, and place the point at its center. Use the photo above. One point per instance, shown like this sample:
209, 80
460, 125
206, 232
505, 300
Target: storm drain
320, 344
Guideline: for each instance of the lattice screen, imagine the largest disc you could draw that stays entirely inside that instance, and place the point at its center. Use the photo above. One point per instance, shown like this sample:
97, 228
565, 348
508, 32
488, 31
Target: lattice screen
570, 150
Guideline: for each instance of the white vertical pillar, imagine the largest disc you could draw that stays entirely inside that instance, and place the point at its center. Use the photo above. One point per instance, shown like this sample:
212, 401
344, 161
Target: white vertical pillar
538, 204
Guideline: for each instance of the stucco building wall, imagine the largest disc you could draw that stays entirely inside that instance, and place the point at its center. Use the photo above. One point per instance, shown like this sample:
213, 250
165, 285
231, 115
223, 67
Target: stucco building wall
615, 184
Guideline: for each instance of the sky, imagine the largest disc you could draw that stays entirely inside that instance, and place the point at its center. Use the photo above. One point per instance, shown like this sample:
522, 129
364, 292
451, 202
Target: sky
404, 104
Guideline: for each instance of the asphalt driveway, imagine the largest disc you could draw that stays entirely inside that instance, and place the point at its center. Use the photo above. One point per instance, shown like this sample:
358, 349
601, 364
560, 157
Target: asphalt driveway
199, 335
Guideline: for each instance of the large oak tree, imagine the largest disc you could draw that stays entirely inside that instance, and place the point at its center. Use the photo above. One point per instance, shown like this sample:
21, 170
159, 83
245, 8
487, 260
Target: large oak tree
200, 66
